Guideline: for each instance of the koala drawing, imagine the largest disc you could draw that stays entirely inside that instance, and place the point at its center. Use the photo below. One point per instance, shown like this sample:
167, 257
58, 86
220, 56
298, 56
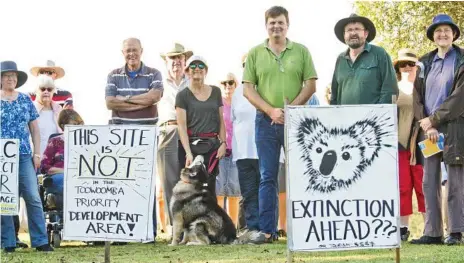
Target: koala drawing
337, 157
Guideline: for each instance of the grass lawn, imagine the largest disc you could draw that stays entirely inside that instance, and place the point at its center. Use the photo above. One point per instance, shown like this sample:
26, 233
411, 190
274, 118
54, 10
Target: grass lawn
138, 253
243, 253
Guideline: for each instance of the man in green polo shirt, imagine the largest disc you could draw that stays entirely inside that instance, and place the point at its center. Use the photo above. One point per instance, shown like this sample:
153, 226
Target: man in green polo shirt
364, 74
279, 69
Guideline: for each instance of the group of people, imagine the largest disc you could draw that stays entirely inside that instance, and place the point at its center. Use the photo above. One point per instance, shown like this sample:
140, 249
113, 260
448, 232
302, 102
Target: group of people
428, 91
239, 126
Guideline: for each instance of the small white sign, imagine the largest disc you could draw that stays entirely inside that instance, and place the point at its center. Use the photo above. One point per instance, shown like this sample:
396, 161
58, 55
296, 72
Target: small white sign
109, 183
9, 160
343, 177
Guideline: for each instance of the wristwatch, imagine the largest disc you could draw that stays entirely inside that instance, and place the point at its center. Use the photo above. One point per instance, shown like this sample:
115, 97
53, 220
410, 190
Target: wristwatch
128, 98
222, 142
37, 155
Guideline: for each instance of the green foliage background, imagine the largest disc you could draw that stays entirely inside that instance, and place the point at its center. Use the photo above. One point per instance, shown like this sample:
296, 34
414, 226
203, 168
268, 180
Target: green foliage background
404, 24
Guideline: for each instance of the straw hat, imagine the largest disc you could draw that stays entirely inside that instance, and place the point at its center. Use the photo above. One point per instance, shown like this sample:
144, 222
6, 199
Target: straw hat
176, 50
49, 65
405, 54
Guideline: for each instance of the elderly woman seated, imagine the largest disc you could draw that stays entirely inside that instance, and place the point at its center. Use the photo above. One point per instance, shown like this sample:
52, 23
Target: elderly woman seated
52, 164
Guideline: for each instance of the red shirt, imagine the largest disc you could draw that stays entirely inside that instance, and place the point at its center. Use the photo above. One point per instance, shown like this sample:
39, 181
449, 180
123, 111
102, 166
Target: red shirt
53, 155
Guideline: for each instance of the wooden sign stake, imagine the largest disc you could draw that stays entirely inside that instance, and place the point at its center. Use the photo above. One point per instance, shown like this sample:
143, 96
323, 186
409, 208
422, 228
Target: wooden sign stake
107, 252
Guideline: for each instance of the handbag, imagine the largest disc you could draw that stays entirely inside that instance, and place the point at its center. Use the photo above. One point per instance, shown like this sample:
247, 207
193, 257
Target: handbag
202, 145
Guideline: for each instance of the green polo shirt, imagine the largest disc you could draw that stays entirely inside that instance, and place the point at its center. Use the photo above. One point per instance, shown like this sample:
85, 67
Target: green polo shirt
371, 79
279, 77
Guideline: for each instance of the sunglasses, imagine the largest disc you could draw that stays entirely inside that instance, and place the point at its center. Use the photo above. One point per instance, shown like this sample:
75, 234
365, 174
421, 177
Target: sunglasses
230, 82
48, 72
199, 65
406, 63
46, 89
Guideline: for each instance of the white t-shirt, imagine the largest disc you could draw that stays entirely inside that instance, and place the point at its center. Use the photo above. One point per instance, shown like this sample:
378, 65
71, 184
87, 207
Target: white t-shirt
243, 115
166, 105
47, 127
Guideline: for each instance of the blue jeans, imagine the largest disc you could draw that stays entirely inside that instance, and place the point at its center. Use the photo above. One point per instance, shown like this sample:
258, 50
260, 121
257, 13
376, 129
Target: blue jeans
57, 184
29, 190
269, 141
227, 181
248, 174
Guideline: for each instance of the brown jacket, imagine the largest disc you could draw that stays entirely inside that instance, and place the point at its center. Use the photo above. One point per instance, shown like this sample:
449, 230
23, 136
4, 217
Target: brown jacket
450, 116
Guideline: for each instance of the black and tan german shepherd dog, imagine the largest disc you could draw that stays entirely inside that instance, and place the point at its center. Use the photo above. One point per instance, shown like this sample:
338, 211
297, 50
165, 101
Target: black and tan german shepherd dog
195, 211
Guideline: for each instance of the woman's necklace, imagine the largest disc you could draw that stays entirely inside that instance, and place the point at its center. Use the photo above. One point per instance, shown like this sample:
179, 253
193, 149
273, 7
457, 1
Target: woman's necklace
7, 97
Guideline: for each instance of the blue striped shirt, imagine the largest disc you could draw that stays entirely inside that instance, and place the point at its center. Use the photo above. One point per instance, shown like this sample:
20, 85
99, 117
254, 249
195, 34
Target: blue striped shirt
120, 83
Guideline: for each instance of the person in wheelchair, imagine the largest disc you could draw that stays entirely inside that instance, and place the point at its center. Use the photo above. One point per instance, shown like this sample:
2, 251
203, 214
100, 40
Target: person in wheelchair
52, 164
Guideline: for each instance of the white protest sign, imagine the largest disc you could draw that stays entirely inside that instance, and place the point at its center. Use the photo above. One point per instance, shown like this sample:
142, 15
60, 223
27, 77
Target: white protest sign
9, 160
343, 177
109, 182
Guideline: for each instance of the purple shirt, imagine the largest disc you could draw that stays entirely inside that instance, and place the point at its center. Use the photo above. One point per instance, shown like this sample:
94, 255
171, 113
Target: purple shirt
228, 123
439, 81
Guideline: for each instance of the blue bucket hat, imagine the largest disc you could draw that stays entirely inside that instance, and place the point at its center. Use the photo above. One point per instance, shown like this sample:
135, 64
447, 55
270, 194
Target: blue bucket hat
10, 66
442, 19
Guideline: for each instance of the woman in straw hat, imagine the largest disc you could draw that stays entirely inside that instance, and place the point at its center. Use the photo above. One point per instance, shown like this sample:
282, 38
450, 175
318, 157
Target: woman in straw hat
19, 121
410, 171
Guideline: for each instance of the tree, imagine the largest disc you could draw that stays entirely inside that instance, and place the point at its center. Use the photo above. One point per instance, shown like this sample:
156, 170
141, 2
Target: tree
404, 24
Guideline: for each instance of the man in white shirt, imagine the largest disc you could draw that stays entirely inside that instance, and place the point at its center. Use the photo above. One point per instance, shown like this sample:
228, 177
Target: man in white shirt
168, 140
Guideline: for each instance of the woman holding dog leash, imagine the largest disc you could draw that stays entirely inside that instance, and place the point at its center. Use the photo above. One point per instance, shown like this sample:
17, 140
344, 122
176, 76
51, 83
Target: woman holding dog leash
200, 120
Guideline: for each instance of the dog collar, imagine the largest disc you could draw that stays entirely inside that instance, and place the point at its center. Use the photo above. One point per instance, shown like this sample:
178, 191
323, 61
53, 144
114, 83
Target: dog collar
186, 182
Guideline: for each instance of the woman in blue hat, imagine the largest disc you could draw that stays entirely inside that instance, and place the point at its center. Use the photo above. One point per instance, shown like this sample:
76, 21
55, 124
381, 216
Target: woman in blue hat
438, 108
19, 121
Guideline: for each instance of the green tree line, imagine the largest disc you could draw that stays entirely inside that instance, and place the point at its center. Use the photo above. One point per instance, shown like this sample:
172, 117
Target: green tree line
404, 24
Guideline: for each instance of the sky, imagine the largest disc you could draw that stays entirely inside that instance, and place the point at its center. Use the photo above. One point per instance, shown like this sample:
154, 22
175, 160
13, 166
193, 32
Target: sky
85, 38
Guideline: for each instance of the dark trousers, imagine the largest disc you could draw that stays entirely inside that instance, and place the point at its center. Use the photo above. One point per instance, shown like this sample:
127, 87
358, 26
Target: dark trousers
16, 225
241, 224
249, 178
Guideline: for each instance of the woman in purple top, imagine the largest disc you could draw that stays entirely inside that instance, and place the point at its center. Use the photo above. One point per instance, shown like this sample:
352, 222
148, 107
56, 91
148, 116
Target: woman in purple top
438, 108
19, 121
227, 183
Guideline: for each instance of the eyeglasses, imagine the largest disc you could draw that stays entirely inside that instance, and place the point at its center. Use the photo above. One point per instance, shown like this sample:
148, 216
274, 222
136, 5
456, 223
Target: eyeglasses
10, 75
176, 57
403, 64
230, 82
446, 31
46, 89
48, 72
355, 30
199, 65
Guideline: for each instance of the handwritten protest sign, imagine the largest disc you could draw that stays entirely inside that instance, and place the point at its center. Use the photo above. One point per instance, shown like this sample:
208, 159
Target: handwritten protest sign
109, 182
343, 184
9, 160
